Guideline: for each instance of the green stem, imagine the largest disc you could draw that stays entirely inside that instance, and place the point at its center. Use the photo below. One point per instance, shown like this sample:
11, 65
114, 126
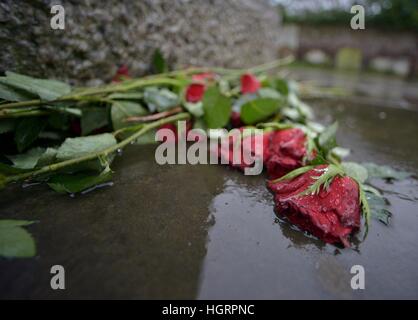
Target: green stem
86, 94
34, 113
159, 79
94, 155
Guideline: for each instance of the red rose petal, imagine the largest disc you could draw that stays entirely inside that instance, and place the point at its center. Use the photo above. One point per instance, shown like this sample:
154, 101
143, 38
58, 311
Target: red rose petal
195, 92
249, 83
331, 215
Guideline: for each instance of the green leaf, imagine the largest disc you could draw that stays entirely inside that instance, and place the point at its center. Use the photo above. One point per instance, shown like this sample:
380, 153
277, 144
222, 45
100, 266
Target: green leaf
196, 109
379, 208
302, 108
27, 160
259, 109
14, 223
217, 108
147, 138
365, 209
340, 152
44, 89
123, 109
9, 93
73, 183
94, 118
7, 125
160, 99
158, 62
243, 99
27, 131
282, 86
326, 139
77, 147
16, 242
355, 170
269, 93
385, 172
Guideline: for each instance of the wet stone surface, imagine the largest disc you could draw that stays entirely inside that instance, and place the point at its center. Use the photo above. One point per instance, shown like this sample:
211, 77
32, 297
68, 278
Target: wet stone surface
209, 232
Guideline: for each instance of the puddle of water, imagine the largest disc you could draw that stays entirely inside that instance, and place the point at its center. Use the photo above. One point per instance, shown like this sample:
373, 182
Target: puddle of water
210, 232
249, 256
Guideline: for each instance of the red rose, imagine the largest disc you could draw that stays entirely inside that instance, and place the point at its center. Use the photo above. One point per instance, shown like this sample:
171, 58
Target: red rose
255, 147
282, 151
121, 74
202, 77
332, 215
286, 152
249, 83
195, 92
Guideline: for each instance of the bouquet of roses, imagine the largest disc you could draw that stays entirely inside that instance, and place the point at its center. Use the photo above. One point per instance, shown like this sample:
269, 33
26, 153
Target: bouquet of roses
67, 137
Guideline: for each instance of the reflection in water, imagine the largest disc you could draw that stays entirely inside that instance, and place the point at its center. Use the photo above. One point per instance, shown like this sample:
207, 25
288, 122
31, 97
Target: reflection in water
249, 257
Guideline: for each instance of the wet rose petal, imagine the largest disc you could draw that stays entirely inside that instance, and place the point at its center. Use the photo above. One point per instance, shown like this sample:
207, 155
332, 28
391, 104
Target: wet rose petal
331, 215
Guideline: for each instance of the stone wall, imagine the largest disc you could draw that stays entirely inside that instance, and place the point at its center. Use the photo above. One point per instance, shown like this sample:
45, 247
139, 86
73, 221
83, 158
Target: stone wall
99, 35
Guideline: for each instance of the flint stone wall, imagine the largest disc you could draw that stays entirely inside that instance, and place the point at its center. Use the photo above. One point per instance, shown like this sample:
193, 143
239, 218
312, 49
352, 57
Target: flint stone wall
99, 35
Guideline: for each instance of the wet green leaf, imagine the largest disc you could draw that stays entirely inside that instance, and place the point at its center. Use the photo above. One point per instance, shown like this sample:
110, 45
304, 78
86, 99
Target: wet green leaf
94, 118
217, 108
27, 160
9, 93
123, 109
160, 99
81, 146
385, 172
44, 89
259, 109
379, 208
355, 171
73, 183
27, 131
340, 152
16, 242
